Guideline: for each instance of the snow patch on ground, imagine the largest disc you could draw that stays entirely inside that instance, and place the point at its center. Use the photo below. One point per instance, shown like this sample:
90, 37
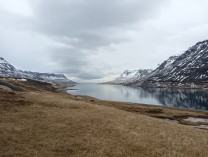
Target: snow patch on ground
202, 127
22, 80
196, 120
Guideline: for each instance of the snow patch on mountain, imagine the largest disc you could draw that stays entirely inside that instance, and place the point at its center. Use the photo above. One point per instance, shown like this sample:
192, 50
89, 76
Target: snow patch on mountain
187, 70
190, 68
129, 76
7, 70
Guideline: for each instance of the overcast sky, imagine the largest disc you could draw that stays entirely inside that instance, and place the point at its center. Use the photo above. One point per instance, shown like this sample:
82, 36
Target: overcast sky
96, 40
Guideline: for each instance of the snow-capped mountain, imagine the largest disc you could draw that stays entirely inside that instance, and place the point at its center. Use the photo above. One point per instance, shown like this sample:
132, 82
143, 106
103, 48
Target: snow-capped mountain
129, 76
5, 66
189, 69
7, 70
167, 64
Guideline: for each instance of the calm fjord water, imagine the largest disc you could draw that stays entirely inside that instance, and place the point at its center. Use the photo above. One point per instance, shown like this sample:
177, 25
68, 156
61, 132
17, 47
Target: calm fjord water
181, 98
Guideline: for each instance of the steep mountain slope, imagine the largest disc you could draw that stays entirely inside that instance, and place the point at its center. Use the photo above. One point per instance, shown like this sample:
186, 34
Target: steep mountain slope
7, 70
189, 69
129, 76
5, 67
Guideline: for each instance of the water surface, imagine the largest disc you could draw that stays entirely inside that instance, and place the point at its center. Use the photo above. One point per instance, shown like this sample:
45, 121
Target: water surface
181, 98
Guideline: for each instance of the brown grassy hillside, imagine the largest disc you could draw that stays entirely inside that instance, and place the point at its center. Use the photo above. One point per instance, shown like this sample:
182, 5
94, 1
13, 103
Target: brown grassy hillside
38, 122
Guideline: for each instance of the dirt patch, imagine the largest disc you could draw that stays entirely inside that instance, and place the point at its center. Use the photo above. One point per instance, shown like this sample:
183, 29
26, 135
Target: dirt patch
155, 111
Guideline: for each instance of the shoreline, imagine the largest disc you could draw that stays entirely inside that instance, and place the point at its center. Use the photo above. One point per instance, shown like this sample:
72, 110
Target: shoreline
138, 104
184, 86
155, 111
160, 112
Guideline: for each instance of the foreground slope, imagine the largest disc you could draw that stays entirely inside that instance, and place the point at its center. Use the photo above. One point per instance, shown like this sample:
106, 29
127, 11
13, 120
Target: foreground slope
58, 124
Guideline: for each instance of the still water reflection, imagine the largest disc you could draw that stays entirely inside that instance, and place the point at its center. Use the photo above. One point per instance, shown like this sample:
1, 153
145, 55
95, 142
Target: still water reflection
181, 98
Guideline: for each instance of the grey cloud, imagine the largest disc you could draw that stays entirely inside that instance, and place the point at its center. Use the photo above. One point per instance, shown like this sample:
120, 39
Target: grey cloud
67, 17
88, 75
71, 59
86, 26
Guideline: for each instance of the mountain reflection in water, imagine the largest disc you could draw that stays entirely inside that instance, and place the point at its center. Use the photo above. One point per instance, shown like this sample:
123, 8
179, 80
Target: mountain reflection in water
180, 98
183, 98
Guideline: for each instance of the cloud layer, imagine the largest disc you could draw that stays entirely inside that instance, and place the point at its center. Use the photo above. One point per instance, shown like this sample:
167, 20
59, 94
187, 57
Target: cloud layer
83, 27
90, 39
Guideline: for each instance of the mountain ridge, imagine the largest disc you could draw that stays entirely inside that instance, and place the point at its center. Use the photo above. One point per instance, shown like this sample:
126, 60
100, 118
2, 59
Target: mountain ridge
8, 70
190, 69
129, 76
187, 70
